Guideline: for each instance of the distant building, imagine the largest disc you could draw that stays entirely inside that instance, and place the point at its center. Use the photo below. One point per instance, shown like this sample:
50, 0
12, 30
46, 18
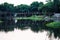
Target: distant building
56, 17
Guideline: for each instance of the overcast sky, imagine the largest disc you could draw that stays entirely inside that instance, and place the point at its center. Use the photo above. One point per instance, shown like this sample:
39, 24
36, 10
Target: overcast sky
17, 2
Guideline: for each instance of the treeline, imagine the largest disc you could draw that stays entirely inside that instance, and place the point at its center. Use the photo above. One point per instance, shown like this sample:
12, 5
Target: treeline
47, 8
21, 8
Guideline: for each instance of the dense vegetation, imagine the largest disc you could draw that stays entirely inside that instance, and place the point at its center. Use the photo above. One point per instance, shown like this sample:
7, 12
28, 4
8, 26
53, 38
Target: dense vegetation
47, 9
54, 25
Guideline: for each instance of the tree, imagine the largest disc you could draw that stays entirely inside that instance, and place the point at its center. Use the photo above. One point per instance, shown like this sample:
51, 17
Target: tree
34, 6
22, 8
40, 6
47, 8
56, 2
7, 7
56, 5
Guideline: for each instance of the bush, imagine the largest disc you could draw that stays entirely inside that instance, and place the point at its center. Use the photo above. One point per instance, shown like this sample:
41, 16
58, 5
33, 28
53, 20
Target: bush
53, 25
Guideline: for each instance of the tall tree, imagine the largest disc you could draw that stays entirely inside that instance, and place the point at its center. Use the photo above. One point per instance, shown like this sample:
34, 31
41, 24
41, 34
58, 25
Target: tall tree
34, 6
49, 0
40, 6
56, 2
56, 5
47, 8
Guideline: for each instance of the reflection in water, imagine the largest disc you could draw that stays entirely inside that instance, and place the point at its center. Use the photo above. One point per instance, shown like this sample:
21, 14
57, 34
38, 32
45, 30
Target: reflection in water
35, 26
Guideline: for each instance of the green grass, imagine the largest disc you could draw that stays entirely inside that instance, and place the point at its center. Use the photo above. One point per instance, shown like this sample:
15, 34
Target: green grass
36, 18
53, 25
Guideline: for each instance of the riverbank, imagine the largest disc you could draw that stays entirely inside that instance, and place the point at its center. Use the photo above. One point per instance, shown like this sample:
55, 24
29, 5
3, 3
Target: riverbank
34, 17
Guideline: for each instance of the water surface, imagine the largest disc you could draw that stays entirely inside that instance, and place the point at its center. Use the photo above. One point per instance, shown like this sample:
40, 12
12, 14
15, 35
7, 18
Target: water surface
23, 35
27, 30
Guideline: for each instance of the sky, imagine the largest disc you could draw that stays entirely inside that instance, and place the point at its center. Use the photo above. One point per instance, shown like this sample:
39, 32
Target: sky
18, 2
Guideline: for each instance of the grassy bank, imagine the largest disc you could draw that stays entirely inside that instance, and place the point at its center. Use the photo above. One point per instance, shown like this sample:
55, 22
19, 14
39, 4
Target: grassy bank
34, 17
53, 25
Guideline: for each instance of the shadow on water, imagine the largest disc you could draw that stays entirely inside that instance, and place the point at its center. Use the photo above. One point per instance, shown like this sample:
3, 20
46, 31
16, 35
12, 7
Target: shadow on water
7, 26
35, 26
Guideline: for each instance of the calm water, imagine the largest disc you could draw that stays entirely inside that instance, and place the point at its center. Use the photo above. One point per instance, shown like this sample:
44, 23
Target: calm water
23, 35
26, 30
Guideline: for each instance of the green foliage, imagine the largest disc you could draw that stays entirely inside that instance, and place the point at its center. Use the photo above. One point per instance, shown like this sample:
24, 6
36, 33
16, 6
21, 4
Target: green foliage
53, 25
40, 6
56, 8
34, 6
7, 7
22, 8
47, 8
50, 7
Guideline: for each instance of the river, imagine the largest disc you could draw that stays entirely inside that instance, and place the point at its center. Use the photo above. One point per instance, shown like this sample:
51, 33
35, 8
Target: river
25, 30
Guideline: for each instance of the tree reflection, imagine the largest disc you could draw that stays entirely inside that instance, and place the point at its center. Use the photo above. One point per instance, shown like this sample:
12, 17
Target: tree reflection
35, 26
